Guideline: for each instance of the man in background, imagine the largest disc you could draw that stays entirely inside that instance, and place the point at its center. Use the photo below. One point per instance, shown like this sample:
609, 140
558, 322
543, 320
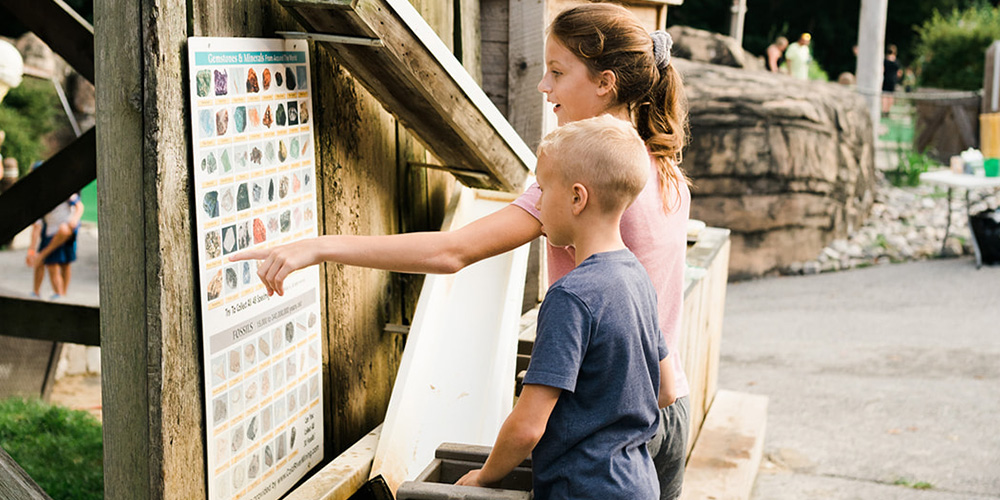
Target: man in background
797, 57
776, 54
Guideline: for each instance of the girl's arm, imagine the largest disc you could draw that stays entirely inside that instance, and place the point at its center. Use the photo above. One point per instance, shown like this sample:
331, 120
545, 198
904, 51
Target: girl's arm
519, 434
36, 236
426, 252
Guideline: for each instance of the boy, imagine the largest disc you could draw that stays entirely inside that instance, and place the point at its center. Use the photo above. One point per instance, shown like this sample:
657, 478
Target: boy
599, 369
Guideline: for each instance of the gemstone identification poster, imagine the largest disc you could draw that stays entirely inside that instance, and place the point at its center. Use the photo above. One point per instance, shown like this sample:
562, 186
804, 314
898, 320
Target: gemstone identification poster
255, 187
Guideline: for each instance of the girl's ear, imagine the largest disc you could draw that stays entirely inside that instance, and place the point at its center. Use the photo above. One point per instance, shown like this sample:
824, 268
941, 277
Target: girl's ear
580, 198
607, 82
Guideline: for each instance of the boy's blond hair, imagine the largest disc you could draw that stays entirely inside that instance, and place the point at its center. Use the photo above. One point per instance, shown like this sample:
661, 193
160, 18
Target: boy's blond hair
603, 153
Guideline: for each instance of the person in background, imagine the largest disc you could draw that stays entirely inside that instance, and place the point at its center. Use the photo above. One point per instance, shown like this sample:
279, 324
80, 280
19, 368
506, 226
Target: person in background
776, 54
798, 57
53, 245
890, 77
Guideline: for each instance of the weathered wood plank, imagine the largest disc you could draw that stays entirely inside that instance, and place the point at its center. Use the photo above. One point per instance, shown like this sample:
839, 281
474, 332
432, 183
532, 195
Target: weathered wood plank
726, 457
53, 321
119, 70
525, 104
358, 179
61, 28
418, 80
69, 171
344, 475
467, 24
15, 484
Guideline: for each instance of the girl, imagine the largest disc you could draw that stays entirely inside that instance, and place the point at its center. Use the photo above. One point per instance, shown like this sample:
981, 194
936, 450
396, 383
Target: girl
599, 60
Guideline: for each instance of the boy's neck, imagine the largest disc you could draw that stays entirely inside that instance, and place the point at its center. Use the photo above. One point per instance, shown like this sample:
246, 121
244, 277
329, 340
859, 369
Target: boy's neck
596, 235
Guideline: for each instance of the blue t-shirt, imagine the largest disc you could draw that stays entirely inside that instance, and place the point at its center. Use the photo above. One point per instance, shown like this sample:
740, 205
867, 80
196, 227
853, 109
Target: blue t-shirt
599, 341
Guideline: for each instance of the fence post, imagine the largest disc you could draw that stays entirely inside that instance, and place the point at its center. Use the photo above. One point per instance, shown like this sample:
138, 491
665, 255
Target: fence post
991, 79
871, 45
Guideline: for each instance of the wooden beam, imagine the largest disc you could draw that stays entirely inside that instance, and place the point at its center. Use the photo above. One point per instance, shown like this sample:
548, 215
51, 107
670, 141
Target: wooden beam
61, 28
344, 476
69, 171
53, 321
15, 484
417, 79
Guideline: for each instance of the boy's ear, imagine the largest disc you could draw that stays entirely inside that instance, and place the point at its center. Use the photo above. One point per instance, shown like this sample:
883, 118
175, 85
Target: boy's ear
607, 82
580, 198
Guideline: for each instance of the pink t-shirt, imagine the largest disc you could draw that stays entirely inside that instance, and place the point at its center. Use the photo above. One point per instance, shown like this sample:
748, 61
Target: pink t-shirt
658, 239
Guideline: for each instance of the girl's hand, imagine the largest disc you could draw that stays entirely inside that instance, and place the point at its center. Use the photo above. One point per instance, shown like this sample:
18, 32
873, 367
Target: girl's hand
278, 262
471, 478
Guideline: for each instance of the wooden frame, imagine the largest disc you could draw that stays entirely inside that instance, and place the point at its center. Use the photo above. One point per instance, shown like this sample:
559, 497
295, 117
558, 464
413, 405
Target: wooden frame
417, 78
61, 28
53, 321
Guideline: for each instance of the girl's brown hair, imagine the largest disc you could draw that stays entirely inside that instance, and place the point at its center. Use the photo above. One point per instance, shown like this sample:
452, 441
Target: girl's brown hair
608, 37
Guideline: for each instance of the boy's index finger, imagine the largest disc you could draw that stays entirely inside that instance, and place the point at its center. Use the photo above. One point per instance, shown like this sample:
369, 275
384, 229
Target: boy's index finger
256, 254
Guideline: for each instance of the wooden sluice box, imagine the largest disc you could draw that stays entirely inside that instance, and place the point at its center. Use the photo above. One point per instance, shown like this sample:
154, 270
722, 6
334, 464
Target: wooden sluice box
451, 462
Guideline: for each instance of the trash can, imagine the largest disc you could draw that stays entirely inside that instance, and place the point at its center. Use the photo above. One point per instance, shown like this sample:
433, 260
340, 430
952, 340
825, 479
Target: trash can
985, 227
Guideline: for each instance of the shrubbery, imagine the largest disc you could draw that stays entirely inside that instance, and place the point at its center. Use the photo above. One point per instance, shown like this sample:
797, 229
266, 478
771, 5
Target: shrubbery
61, 449
952, 48
27, 113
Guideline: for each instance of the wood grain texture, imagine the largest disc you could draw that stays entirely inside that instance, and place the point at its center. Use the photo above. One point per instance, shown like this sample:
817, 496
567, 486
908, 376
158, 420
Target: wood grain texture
413, 78
15, 484
128, 451
358, 180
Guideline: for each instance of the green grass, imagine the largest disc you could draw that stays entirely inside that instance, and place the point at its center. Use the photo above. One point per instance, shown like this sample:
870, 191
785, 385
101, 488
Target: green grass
61, 449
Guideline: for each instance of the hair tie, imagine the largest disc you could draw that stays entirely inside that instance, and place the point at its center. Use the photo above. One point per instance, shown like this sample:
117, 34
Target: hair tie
662, 43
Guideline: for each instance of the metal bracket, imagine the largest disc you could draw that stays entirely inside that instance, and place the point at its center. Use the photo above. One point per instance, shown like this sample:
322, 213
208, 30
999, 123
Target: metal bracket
475, 174
340, 39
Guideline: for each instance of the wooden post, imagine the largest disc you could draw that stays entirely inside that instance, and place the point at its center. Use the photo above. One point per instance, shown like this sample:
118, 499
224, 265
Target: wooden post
739, 12
152, 397
991, 79
871, 51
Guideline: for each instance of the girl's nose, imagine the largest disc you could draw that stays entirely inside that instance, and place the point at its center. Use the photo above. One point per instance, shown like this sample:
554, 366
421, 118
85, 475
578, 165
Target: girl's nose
543, 85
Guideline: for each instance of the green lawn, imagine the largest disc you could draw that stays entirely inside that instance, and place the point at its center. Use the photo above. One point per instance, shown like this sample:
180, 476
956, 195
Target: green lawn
61, 449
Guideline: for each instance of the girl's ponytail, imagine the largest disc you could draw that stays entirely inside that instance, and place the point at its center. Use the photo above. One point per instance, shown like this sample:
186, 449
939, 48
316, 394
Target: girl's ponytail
662, 122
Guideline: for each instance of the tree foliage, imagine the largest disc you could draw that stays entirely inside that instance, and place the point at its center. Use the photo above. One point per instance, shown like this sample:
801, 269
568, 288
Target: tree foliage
833, 24
27, 114
952, 47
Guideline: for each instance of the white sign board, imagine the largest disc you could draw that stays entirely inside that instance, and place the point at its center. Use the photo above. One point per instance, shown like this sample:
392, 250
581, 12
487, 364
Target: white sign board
255, 187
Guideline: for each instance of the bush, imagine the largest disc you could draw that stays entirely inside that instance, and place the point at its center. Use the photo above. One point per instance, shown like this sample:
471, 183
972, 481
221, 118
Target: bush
952, 48
61, 449
911, 165
27, 113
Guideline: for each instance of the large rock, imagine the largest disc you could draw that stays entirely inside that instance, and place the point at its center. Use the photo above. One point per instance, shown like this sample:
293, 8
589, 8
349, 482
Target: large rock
705, 46
787, 165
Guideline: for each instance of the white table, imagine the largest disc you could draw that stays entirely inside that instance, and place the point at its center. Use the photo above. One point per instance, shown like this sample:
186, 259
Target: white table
968, 182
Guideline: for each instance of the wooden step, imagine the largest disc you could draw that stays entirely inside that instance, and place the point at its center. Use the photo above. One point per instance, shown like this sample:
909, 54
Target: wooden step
723, 464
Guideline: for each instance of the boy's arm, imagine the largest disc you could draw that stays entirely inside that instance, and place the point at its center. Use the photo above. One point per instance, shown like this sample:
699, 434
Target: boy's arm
518, 436
668, 387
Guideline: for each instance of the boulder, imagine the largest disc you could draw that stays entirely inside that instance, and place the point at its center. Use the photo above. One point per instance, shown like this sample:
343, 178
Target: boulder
705, 46
787, 165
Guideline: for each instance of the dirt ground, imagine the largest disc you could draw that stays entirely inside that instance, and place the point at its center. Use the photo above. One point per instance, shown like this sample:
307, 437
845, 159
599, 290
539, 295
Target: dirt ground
78, 392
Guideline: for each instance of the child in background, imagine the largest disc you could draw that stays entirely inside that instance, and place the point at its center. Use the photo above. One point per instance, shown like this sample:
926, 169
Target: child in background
54, 237
599, 372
